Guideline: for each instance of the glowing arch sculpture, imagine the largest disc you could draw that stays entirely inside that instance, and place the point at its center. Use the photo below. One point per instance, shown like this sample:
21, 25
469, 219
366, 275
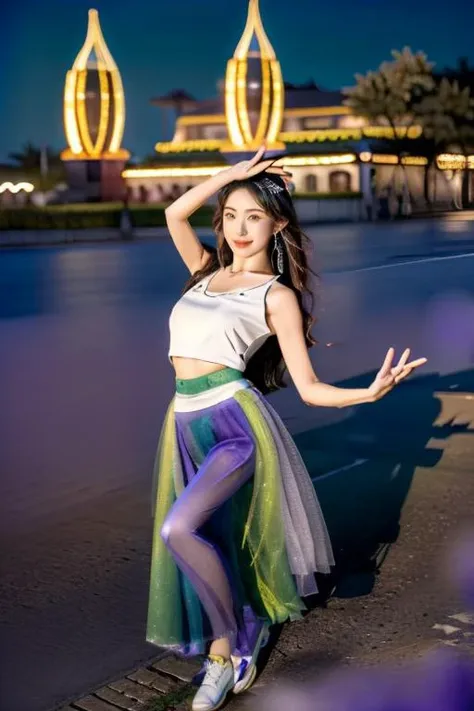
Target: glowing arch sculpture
253, 116
94, 103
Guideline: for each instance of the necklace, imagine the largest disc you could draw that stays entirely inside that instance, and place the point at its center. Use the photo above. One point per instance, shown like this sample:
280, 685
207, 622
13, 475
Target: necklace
244, 271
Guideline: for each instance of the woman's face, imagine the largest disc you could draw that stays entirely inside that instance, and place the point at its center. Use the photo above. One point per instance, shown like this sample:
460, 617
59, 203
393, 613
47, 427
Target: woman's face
247, 227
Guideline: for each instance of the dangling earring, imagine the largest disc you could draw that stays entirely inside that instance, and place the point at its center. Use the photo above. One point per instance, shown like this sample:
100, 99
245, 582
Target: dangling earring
279, 248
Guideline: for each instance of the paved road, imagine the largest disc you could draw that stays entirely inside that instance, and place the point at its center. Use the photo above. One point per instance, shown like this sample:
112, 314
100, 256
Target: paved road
85, 383
408, 604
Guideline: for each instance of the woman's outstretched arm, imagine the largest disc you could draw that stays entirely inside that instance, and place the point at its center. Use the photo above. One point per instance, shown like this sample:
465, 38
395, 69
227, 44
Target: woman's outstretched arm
286, 321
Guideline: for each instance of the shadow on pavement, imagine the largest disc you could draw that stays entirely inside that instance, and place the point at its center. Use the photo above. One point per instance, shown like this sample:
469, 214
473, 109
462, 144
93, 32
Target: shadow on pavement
363, 469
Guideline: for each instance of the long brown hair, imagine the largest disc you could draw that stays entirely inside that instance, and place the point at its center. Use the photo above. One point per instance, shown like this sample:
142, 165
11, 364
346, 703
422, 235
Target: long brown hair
266, 367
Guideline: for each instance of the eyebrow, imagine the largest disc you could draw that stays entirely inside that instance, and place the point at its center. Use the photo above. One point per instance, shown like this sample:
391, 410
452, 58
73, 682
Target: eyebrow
251, 209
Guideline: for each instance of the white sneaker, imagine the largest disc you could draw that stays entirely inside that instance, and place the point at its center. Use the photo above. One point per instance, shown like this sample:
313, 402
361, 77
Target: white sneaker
245, 668
217, 682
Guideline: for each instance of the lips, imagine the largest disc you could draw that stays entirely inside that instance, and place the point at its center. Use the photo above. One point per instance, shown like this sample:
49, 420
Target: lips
242, 243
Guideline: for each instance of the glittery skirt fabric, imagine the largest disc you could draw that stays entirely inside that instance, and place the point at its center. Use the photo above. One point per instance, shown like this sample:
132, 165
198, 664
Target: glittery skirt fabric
232, 468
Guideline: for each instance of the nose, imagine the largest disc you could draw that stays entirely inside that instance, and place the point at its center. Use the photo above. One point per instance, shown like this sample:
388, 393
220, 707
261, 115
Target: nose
242, 232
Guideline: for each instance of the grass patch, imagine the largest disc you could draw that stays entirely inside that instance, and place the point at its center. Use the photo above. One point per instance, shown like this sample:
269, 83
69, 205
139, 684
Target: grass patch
102, 207
171, 700
92, 215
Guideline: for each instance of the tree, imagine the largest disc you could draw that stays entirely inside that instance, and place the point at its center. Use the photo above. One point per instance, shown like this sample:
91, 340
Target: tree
389, 96
404, 93
30, 156
463, 73
447, 118
44, 173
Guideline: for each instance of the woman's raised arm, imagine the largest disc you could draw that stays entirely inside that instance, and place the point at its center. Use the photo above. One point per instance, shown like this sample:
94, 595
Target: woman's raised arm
184, 237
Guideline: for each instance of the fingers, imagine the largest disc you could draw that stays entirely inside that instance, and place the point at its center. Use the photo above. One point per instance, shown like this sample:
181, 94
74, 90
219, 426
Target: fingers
401, 363
387, 364
403, 359
263, 165
409, 368
404, 374
259, 154
417, 363
387, 376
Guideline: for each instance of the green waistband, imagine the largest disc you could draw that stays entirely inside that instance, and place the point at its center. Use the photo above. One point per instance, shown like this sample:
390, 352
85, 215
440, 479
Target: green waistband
192, 386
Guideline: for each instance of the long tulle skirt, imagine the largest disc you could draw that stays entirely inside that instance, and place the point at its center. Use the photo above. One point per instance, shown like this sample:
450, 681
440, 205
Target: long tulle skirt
238, 530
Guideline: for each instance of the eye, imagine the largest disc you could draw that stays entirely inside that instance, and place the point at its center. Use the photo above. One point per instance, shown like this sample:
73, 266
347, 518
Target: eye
228, 214
256, 217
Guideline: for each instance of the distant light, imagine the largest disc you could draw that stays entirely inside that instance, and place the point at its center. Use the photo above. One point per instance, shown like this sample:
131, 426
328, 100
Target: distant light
385, 158
189, 146
317, 160
348, 134
16, 187
172, 172
455, 161
389, 159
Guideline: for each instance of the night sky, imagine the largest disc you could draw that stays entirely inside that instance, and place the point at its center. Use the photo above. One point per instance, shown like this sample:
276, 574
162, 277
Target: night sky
161, 45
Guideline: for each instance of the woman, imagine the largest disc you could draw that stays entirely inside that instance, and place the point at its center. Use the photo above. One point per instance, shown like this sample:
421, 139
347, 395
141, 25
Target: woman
238, 529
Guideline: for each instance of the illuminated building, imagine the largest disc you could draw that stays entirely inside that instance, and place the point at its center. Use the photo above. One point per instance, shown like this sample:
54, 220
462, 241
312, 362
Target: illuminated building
329, 150
94, 120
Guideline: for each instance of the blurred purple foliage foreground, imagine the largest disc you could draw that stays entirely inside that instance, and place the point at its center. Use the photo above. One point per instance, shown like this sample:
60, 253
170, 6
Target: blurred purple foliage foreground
441, 681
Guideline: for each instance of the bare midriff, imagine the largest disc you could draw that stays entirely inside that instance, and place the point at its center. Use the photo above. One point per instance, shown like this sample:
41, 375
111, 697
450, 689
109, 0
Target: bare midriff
193, 368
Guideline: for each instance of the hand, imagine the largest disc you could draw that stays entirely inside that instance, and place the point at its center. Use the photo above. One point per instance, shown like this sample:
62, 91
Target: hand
389, 375
248, 168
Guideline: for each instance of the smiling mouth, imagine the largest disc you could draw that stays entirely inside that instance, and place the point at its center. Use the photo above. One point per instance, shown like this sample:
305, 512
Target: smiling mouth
242, 243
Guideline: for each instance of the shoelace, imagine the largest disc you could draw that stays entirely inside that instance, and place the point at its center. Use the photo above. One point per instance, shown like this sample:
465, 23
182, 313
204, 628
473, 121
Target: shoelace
214, 670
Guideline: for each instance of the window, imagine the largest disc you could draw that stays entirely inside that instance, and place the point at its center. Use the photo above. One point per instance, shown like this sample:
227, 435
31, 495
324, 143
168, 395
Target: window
214, 132
311, 183
143, 193
320, 122
340, 181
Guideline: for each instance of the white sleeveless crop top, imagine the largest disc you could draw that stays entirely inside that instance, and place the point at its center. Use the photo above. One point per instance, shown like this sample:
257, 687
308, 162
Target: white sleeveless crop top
221, 327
